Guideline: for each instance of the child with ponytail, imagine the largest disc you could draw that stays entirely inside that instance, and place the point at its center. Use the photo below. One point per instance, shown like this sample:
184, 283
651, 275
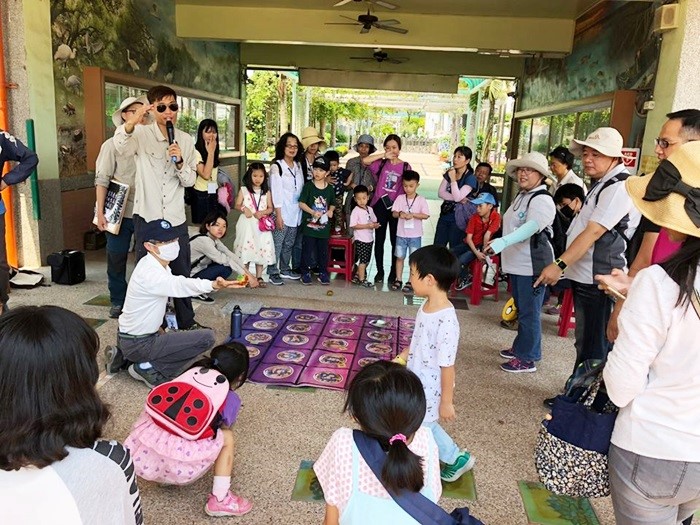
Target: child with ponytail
388, 403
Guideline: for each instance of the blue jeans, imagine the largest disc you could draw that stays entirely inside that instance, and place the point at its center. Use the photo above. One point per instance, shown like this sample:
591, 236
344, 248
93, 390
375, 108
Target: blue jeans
117, 255
465, 256
446, 232
406, 246
527, 345
592, 309
652, 491
211, 272
284, 240
447, 448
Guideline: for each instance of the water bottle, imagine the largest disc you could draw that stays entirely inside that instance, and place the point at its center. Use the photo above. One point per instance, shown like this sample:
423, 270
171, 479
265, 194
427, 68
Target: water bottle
236, 322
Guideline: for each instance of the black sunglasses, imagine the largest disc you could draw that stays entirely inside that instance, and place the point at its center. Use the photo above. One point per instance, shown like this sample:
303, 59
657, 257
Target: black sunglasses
160, 108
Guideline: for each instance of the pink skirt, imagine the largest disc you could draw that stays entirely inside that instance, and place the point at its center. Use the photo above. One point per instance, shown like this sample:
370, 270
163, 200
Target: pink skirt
163, 457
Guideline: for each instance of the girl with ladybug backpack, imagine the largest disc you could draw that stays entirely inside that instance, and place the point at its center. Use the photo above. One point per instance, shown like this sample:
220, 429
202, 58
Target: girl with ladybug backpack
184, 429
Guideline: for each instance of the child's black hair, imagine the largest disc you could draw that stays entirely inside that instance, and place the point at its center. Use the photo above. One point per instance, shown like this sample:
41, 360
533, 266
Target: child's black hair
360, 188
210, 220
437, 261
248, 178
387, 399
410, 175
332, 155
231, 359
569, 191
207, 125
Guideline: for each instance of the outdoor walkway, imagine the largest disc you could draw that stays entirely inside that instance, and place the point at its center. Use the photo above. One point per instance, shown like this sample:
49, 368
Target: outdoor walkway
498, 414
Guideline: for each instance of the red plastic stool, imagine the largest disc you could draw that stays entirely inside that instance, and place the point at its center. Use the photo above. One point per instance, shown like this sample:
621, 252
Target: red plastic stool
478, 290
341, 265
566, 314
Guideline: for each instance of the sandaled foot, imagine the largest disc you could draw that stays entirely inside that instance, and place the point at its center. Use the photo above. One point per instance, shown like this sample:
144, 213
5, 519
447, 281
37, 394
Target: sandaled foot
261, 283
407, 288
396, 285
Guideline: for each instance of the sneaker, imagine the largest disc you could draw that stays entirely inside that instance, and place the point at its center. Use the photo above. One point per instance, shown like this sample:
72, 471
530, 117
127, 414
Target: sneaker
549, 402
465, 462
552, 309
379, 278
516, 366
464, 282
367, 284
232, 505
306, 279
290, 274
507, 354
150, 376
205, 298
324, 279
115, 311
509, 325
276, 280
114, 359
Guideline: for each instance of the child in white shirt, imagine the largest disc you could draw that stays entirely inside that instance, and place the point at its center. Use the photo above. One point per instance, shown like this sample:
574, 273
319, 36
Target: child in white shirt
363, 222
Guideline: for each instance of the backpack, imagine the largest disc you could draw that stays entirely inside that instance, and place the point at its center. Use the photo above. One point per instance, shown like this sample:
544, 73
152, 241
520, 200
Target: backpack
198, 260
633, 243
464, 212
188, 406
545, 237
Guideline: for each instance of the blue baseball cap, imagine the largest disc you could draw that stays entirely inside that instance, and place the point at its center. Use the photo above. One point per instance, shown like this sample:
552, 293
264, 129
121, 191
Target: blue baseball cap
159, 230
484, 198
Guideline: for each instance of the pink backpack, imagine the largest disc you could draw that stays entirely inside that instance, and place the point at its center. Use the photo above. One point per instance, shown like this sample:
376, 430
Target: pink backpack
188, 404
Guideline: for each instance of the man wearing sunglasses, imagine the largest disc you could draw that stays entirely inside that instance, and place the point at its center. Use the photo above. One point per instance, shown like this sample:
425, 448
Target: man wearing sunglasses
163, 171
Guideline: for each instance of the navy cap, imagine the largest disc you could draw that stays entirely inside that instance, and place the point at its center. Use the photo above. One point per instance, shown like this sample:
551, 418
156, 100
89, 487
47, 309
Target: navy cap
322, 163
484, 198
159, 230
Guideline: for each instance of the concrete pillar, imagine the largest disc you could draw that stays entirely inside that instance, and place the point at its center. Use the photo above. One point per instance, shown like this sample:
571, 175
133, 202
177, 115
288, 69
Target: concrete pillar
28, 62
677, 86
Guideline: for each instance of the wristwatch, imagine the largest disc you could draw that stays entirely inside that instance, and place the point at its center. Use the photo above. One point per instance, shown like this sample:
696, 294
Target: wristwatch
561, 264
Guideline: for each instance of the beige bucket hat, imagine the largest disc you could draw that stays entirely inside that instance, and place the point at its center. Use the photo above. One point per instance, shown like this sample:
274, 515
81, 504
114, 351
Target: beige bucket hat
310, 136
117, 119
671, 196
533, 160
607, 141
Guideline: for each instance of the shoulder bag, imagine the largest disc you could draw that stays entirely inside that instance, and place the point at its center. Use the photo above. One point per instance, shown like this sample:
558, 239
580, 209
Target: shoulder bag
415, 504
265, 223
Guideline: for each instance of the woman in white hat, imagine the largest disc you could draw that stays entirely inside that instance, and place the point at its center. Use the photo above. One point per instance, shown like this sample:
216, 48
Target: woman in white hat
313, 146
652, 372
527, 228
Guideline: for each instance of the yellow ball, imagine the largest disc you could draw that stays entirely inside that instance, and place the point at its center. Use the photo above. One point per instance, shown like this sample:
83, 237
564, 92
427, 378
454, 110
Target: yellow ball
329, 293
510, 312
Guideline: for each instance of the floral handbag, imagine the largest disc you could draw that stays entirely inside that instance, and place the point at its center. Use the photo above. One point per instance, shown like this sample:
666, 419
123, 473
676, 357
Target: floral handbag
266, 223
571, 454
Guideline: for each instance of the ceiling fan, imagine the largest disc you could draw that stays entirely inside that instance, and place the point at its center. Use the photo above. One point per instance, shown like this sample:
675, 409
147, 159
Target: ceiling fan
381, 56
375, 2
368, 21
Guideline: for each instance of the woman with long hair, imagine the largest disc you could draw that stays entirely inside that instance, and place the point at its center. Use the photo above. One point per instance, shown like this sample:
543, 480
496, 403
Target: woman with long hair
204, 197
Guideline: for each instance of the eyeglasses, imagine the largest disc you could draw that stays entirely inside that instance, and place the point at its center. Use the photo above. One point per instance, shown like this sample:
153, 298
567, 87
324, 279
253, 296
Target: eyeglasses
160, 108
528, 171
292, 146
663, 143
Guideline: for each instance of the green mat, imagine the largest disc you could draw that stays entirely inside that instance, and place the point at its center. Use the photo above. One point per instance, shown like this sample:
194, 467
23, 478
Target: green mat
99, 300
306, 486
463, 488
94, 323
292, 388
546, 508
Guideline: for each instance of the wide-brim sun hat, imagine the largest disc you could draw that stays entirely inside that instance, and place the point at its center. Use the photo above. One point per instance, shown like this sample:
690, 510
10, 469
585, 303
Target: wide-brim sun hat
310, 136
533, 160
607, 141
128, 101
671, 196
366, 139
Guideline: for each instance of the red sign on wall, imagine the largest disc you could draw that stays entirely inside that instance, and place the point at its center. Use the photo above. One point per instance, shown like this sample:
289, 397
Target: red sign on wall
631, 159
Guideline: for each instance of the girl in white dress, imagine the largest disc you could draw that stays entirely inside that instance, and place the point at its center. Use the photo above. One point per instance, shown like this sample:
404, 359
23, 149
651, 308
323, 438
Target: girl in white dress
255, 202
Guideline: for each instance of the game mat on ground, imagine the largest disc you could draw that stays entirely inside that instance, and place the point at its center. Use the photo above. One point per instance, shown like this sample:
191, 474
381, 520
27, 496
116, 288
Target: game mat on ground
546, 508
320, 349
307, 487
99, 300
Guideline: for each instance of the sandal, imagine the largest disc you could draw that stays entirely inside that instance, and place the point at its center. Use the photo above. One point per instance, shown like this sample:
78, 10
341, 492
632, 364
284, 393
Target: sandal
261, 283
396, 285
356, 280
407, 288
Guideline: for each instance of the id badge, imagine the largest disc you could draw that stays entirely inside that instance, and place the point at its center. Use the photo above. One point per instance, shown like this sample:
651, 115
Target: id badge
212, 187
408, 224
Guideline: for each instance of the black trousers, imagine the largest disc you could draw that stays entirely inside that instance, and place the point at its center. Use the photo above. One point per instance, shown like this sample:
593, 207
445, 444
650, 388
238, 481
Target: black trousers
314, 250
384, 218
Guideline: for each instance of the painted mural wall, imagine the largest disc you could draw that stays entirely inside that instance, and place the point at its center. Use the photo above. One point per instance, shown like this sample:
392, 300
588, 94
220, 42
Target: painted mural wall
130, 36
614, 48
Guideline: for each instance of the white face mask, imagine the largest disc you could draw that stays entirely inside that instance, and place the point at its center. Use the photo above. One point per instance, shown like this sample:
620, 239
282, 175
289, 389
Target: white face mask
170, 251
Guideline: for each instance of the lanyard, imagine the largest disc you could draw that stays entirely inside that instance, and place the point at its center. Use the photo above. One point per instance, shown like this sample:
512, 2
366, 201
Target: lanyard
411, 204
256, 204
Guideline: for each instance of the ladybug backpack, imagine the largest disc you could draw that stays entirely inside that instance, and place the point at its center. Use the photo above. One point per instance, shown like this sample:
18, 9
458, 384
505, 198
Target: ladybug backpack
188, 405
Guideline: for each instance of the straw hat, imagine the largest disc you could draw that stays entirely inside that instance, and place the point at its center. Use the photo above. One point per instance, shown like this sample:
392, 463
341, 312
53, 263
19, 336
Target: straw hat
533, 160
366, 139
671, 196
607, 141
310, 136
128, 101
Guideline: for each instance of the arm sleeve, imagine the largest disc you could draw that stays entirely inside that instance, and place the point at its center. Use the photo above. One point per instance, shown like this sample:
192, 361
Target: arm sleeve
168, 285
232, 260
276, 185
526, 231
355, 217
495, 223
471, 225
333, 468
461, 193
442, 190
106, 164
188, 173
644, 323
126, 143
13, 149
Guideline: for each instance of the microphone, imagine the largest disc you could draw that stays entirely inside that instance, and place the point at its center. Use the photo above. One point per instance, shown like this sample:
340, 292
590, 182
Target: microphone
171, 136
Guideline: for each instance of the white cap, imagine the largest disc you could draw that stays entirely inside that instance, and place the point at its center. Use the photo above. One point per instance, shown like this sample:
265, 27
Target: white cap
607, 141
